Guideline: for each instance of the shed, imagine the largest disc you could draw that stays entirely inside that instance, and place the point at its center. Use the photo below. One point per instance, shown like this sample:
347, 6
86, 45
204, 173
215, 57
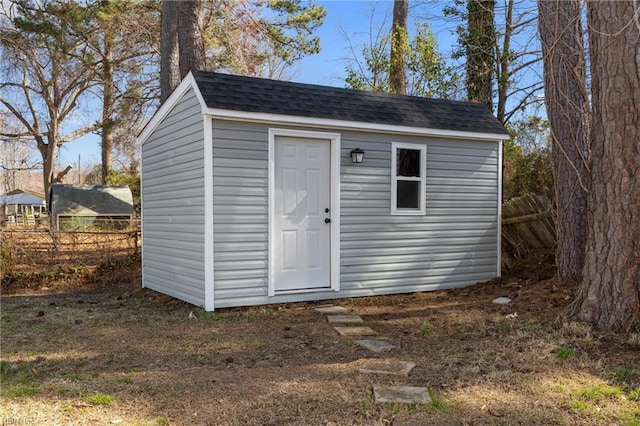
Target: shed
84, 207
250, 195
14, 205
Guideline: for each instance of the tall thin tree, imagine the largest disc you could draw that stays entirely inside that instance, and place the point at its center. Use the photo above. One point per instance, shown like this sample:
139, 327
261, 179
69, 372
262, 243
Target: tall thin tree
399, 44
169, 50
480, 50
561, 34
236, 36
190, 41
500, 45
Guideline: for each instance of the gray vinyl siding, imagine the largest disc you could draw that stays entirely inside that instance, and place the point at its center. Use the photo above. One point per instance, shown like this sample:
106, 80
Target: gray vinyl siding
454, 244
173, 204
240, 213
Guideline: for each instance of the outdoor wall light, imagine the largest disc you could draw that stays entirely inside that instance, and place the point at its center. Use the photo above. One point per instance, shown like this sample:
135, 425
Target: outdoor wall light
357, 156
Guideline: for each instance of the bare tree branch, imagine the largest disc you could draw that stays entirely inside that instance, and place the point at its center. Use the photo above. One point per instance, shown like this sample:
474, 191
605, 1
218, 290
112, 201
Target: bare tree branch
78, 133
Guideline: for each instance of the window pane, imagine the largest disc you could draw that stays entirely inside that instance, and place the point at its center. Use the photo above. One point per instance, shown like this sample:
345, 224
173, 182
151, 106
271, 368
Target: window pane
408, 195
408, 162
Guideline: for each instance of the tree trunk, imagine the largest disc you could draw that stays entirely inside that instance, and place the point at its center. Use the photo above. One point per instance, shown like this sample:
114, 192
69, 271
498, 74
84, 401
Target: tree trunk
397, 72
480, 48
190, 39
108, 101
169, 58
49, 152
504, 64
568, 111
610, 293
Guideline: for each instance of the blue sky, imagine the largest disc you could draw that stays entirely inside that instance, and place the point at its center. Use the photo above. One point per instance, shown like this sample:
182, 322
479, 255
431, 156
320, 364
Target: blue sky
353, 18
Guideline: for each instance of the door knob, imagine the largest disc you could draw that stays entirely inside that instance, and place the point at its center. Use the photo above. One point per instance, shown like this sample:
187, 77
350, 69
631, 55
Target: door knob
326, 210
327, 220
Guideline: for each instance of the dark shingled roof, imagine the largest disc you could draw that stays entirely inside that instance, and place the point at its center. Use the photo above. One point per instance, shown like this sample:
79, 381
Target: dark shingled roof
260, 95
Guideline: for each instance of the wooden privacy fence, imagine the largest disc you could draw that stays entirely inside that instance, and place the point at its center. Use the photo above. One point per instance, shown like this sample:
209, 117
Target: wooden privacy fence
528, 225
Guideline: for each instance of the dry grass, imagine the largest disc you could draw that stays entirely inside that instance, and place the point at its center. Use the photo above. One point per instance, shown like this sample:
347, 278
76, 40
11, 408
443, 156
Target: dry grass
112, 352
38, 249
32, 258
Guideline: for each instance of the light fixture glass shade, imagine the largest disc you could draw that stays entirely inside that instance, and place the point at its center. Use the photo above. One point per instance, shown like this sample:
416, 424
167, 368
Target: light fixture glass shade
357, 156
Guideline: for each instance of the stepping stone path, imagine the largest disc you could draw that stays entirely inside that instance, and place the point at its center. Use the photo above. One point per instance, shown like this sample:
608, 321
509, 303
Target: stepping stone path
355, 331
345, 319
397, 394
401, 394
383, 366
377, 346
331, 310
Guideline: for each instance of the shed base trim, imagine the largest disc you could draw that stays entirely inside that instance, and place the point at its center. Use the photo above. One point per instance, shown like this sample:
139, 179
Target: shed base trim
304, 290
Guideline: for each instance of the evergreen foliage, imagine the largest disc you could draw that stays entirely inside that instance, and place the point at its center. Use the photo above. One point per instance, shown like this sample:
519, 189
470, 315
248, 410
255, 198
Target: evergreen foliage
428, 75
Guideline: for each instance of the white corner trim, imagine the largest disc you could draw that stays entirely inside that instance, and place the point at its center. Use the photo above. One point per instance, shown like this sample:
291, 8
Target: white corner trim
142, 254
271, 291
260, 117
334, 173
189, 82
209, 283
499, 224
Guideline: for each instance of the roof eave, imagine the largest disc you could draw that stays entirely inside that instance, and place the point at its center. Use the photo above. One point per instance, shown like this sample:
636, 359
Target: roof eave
189, 82
259, 117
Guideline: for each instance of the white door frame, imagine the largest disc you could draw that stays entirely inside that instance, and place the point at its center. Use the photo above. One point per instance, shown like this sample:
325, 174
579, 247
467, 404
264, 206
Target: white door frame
334, 188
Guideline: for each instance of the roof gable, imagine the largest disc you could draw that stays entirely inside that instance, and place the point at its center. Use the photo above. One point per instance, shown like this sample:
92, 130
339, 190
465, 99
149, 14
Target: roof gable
22, 197
258, 95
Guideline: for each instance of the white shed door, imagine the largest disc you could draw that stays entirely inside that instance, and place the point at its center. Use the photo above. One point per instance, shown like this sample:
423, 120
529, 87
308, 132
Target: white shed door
301, 214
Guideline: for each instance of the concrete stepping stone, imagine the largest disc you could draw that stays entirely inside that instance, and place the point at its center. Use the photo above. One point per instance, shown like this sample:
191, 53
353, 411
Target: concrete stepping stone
354, 331
345, 319
401, 394
377, 346
387, 366
331, 309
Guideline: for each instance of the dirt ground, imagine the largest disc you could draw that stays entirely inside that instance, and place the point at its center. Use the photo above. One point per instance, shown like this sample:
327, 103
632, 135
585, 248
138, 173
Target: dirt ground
91, 347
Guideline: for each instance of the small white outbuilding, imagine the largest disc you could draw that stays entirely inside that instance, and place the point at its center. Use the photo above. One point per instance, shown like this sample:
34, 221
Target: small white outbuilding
258, 191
